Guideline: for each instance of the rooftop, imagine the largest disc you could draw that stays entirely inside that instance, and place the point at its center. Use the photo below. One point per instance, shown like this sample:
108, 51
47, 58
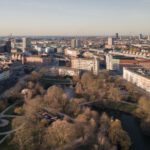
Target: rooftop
141, 71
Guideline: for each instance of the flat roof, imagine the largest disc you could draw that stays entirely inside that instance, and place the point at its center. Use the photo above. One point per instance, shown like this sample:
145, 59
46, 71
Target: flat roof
140, 71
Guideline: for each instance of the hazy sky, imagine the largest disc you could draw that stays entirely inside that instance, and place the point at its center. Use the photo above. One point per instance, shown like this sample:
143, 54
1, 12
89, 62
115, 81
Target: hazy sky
74, 17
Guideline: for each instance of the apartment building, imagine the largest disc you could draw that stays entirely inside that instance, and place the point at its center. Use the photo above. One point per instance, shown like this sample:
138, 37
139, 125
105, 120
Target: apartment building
88, 64
138, 76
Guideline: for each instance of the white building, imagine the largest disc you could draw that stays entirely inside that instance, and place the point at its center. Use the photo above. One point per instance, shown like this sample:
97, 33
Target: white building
86, 64
111, 63
138, 76
71, 52
65, 71
148, 37
110, 43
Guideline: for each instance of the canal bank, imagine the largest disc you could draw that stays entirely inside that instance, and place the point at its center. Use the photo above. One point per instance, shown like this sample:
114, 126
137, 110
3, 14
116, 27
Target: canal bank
131, 125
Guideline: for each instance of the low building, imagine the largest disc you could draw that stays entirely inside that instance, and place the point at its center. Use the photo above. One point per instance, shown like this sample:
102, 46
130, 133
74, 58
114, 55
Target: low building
88, 54
72, 52
86, 64
138, 76
36, 59
65, 71
117, 62
16, 54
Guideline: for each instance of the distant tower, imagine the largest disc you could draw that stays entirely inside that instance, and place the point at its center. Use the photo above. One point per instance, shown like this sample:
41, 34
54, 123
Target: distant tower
117, 35
24, 44
75, 43
148, 38
140, 37
110, 41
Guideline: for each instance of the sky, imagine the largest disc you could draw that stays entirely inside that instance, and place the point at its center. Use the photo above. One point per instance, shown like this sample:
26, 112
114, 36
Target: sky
74, 17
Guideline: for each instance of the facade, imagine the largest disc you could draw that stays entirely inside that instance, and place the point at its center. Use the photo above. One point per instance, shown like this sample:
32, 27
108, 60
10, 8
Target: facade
35, 59
5, 46
138, 76
75, 43
65, 71
148, 37
16, 55
117, 35
71, 52
116, 62
140, 37
110, 41
110, 44
88, 54
4, 74
20, 43
86, 64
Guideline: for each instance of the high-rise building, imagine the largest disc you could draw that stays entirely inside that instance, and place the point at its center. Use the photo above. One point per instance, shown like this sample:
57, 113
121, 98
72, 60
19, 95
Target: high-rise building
148, 38
110, 41
88, 64
140, 37
8, 46
75, 43
20, 43
117, 35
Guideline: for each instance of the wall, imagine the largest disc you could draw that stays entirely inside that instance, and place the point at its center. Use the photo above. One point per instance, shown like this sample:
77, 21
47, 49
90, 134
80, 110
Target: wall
137, 79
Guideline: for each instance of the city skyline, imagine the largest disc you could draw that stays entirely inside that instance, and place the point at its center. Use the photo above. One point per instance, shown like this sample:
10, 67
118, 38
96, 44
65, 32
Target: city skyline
68, 17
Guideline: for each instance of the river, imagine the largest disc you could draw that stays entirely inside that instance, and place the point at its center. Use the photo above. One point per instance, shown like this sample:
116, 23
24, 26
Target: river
131, 125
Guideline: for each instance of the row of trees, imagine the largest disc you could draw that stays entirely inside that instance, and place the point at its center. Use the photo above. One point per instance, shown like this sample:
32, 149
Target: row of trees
143, 112
98, 87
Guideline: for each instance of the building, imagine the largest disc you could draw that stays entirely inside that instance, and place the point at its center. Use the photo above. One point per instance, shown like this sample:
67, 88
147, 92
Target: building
5, 46
110, 41
4, 74
117, 35
20, 43
36, 59
148, 38
117, 62
16, 55
140, 37
138, 76
86, 64
110, 44
72, 52
75, 43
88, 54
65, 71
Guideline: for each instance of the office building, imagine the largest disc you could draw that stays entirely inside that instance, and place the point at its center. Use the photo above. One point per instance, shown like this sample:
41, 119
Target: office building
117, 62
20, 43
75, 43
117, 35
86, 64
4, 74
36, 59
140, 37
110, 44
71, 52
